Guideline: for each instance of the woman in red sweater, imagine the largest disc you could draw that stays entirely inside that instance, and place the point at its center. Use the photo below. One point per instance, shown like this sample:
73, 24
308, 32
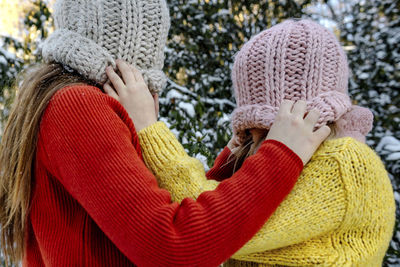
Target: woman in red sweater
74, 190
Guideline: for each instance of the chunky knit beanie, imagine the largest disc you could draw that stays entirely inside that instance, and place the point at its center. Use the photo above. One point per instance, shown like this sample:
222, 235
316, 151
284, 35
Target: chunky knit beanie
296, 60
91, 34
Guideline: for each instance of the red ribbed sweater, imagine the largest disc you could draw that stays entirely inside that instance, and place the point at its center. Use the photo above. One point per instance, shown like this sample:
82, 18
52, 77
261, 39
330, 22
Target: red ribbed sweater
94, 203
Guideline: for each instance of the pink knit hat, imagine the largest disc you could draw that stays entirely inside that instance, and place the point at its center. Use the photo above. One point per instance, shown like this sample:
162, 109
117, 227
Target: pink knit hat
296, 59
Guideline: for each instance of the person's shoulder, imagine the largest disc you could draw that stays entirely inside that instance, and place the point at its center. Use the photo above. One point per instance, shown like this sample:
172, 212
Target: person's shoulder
333, 147
361, 154
77, 95
349, 152
340, 146
356, 149
81, 99
78, 104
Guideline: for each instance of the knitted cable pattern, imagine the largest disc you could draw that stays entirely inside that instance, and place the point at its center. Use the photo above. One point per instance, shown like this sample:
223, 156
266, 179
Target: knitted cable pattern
91, 35
293, 60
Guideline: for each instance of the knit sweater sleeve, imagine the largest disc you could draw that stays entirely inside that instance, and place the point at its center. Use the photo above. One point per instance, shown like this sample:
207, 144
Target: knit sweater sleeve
223, 166
175, 171
315, 207
89, 149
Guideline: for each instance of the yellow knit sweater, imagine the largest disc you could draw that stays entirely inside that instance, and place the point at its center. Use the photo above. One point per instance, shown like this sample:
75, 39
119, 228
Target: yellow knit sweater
341, 212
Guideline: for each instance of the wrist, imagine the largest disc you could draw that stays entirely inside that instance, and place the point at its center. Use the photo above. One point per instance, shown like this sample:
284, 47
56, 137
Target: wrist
152, 128
296, 159
140, 125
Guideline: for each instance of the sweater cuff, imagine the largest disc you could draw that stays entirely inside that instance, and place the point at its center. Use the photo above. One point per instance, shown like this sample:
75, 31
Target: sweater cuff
293, 157
221, 169
159, 145
223, 156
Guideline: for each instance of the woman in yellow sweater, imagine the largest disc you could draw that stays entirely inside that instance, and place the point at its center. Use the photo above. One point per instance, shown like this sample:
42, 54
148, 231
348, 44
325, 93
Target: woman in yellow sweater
341, 212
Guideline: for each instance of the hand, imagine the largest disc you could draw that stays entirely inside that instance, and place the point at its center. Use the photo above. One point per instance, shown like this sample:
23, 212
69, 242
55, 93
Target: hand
296, 132
132, 92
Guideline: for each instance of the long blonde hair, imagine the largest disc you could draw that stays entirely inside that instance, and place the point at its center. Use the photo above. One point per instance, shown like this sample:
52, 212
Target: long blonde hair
17, 150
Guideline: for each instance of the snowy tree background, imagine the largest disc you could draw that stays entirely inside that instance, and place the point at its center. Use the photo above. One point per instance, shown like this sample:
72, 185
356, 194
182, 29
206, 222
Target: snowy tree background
17, 52
204, 38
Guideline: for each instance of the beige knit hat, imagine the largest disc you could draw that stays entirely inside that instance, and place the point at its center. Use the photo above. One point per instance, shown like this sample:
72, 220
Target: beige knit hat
91, 34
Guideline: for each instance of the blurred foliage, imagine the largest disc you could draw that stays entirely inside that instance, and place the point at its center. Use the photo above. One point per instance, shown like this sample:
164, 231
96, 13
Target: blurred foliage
10, 65
372, 29
15, 53
204, 38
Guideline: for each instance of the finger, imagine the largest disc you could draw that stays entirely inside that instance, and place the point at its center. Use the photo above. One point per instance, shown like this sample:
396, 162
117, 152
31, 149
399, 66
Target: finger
322, 133
138, 74
110, 91
116, 81
299, 108
126, 72
312, 117
156, 104
286, 107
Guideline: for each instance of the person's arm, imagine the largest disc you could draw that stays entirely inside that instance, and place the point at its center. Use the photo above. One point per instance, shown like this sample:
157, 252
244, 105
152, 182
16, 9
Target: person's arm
177, 172
315, 206
89, 150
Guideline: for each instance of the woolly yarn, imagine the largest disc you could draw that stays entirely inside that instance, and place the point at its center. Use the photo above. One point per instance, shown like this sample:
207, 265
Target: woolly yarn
295, 60
91, 35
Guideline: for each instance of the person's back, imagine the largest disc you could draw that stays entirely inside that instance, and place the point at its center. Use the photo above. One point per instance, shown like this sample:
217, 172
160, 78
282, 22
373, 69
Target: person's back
57, 220
340, 213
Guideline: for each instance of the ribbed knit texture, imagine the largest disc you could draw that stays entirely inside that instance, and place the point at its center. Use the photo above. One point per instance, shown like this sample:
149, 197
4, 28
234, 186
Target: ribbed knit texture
294, 60
341, 212
94, 202
91, 35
